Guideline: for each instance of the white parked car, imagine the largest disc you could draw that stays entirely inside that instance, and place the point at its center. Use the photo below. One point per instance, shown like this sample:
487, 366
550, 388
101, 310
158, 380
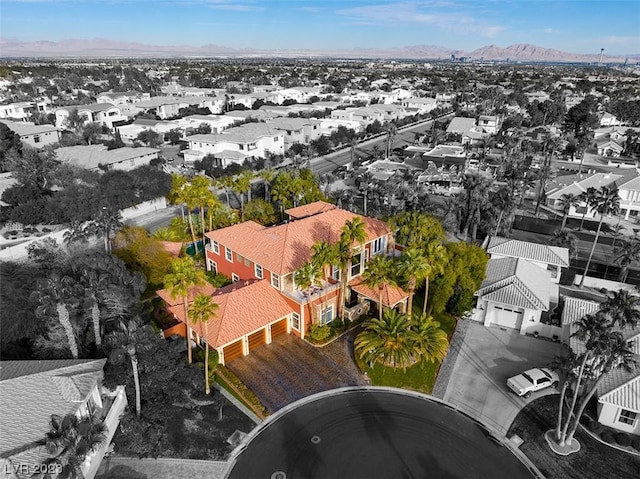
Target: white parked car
532, 380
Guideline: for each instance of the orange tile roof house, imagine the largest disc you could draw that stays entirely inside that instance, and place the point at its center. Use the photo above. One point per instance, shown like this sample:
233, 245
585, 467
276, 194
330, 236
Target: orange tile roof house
32, 391
264, 300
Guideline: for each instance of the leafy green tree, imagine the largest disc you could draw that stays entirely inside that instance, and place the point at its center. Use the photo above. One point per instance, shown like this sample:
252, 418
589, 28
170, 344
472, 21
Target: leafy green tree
260, 211
149, 138
607, 202
203, 310
415, 230
10, 145
34, 167
183, 276
90, 132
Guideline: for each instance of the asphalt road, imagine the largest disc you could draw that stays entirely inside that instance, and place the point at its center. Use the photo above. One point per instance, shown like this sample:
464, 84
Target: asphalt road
374, 434
404, 137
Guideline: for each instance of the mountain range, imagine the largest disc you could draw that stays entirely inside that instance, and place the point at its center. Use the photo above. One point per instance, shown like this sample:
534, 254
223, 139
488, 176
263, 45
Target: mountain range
98, 47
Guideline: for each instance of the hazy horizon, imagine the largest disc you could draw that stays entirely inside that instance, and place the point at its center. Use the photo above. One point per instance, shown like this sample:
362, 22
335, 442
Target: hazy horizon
576, 26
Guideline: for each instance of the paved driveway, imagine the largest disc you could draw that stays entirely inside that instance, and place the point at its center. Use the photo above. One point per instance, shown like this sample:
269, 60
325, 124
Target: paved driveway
289, 369
486, 357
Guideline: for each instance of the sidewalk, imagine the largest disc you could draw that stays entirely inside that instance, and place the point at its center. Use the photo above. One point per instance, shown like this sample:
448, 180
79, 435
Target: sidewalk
116, 467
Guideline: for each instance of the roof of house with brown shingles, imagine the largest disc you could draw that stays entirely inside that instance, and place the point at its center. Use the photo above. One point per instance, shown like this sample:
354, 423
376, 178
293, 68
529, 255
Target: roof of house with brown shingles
310, 209
284, 248
530, 251
30, 392
243, 308
168, 298
391, 295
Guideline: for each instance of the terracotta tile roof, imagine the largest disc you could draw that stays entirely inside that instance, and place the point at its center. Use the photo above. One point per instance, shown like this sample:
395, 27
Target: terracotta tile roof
205, 288
30, 392
172, 247
310, 209
282, 249
391, 295
516, 282
531, 251
243, 308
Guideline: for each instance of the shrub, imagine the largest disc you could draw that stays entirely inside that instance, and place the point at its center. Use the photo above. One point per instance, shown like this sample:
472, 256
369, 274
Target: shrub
337, 324
607, 436
595, 427
623, 439
635, 443
319, 333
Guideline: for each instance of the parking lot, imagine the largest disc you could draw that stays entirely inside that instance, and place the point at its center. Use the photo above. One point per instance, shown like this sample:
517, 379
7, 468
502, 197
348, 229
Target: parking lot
486, 357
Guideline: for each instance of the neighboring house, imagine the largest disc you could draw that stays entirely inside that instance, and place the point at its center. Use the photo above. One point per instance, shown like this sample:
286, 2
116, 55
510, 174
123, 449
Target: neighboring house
549, 258
607, 119
577, 187
618, 394
218, 123
629, 193
234, 145
97, 157
488, 124
122, 98
129, 133
609, 149
104, 113
249, 251
24, 110
34, 135
32, 391
296, 130
419, 105
168, 106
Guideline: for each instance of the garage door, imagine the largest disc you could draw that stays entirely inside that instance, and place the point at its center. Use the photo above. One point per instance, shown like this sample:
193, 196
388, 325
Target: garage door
257, 339
233, 351
279, 328
507, 317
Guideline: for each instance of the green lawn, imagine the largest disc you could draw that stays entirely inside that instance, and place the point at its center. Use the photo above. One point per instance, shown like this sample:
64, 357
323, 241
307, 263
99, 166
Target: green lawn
418, 378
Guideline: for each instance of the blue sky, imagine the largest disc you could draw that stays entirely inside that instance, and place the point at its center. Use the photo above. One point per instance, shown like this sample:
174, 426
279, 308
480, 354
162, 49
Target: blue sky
577, 26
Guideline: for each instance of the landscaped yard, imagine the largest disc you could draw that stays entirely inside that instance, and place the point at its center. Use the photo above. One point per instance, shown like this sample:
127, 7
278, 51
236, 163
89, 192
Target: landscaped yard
594, 460
419, 378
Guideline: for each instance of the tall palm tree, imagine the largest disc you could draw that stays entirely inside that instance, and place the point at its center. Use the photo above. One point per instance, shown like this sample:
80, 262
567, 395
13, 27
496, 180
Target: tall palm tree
57, 293
378, 273
414, 229
307, 276
93, 283
567, 366
242, 185
607, 202
502, 200
415, 268
431, 343
352, 231
567, 200
125, 341
323, 255
183, 276
622, 308
203, 196
587, 197
203, 309
388, 341
107, 221
564, 238
267, 175
437, 257
190, 196
627, 252
175, 195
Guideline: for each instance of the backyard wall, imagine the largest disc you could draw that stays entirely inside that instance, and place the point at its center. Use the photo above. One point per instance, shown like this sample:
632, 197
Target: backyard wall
599, 283
19, 251
144, 208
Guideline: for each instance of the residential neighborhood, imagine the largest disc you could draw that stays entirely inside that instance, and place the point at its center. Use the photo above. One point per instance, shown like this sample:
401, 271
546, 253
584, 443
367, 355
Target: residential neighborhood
194, 248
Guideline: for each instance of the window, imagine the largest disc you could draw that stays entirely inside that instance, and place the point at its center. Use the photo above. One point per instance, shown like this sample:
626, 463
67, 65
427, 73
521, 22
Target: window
326, 314
213, 266
91, 407
627, 417
356, 265
235, 278
229, 255
247, 262
36, 139
275, 280
335, 274
239, 258
203, 343
216, 247
258, 270
379, 245
295, 321
581, 209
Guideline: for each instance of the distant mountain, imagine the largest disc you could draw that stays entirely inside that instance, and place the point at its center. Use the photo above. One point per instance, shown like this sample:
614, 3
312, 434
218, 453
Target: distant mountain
99, 47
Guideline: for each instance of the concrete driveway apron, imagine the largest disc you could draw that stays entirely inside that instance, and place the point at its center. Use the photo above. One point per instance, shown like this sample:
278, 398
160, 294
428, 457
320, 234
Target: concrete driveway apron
486, 358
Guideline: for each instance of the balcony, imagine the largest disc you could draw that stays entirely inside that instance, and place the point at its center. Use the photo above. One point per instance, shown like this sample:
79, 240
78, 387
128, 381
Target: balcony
313, 293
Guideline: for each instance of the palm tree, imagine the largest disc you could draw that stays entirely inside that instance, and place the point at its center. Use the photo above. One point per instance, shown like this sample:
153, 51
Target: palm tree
352, 231
183, 276
431, 341
587, 197
190, 196
93, 282
388, 341
267, 176
306, 277
125, 341
622, 308
607, 202
414, 229
323, 255
203, 196
203, 309
107, 221
567, 200
564, 238
379, 272
175, 195
57, 293
437, 257
627, 252
415, 267
567, 366
242, 185
502, 200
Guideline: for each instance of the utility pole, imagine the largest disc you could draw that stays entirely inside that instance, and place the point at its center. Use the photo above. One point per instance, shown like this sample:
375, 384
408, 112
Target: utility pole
600, 60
